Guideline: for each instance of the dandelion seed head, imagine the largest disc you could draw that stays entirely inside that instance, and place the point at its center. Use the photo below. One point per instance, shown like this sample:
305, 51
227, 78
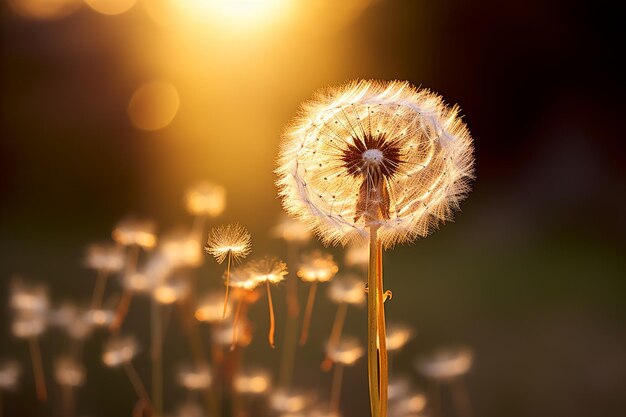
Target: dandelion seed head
231, 238
194, 378
130, 232
210, 308
105, 257
205, 199
28, 299
346, 351
242, 278
408, 405
317, 266
268, 268
181, 249
446, 363
171, 291
68, 372
347, 289
101, 317
375, 154
252, 381
10, 372
291, 230
290, 400
398, 335
119, 350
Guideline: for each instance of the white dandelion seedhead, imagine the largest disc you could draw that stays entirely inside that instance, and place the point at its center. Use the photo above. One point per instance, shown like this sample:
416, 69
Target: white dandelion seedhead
347, 289
10, 372
135, 232
252, 381
194, 378
446, 363
119, 350
68, 372
105, 257
347, 351
231, 238
375, 154
268, 268
317, 266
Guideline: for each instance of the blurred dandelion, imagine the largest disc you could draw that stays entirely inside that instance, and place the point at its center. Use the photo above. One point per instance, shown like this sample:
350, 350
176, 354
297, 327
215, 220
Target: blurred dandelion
30, 306
205, 199
105, 259
356, 256
373, 159
315, 267
290, 400
252, 381
268, 270
398, 335
448, 365
194, 378
344, 352
343, 290
69, 374
231, 241
10, 372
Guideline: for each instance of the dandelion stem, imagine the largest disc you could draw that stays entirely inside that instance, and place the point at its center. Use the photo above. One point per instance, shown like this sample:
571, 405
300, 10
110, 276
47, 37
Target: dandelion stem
235, 323
135, 380
372, 323
227, 284
382, 335
335, 334
121, 311
67, 394
98, 289
308, 313
290, 340
40, 379
1, 405
270, 334
157, 355
461, 398
335, 393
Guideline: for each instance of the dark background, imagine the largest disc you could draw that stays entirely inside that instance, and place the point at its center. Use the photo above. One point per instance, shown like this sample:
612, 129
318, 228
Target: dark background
531, 273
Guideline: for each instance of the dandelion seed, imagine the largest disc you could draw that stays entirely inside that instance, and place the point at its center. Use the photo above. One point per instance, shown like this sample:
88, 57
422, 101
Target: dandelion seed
231, 241
377, 160
268, 270
315, 268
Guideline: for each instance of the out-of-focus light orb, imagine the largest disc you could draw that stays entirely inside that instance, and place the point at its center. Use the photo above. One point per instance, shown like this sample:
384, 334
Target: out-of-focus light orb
154, 105
111, 7
45, 9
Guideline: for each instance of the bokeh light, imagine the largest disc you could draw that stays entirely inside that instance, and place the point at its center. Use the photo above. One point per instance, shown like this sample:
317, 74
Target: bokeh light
111, 7
153, 106
45, 9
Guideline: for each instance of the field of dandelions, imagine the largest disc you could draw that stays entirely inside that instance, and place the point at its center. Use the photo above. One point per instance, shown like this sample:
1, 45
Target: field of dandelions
366, 165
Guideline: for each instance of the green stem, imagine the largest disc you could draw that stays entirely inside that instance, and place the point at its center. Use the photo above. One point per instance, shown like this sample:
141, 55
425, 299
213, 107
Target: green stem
372, 323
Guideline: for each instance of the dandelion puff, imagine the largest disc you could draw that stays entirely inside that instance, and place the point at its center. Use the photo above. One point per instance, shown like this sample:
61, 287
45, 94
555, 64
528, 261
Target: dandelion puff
231, 241
268, 270
194, 378
252, 381
315, 267
374, 152
205, 199
345, 352
10, 371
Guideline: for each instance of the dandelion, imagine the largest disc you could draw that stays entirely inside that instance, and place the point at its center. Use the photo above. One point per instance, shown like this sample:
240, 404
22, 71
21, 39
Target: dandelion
205, 199
411, 404
268, 270
377, 160
252, 382
398, 335
181, 249
31, 306
344, 352
194, 378
120, 351
356, 256
231, 241
9, 375
447, 365
105, 259
290, 400
69, 374
344, 291
171, 291
314, 268
241, 280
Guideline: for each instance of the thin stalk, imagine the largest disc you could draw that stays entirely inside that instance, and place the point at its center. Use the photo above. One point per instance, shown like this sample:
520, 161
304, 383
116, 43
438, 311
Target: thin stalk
121, 311
40, 379
157, 358
67, 394
233, 345
383, 360
461, 398
372, 323
98, 289
335, 392
135, 380
335, 334
306, 323
290, 340
227, 284
270, 334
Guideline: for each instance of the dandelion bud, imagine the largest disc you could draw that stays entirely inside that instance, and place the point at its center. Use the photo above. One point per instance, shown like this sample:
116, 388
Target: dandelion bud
205, 199
68, 372
9, 375
446, 363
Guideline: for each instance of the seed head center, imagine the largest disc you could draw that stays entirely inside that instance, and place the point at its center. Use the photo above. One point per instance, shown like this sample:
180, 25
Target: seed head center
373, 157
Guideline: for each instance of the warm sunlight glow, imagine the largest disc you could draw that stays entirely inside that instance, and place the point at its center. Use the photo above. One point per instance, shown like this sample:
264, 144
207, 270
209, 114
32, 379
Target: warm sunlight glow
111, 7
153, 106
44, 9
